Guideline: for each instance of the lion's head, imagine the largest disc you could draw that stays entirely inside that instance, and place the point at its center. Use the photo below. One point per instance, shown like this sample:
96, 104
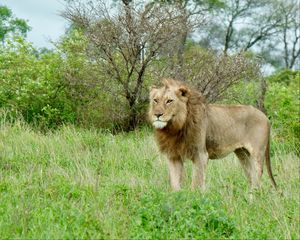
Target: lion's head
168, 105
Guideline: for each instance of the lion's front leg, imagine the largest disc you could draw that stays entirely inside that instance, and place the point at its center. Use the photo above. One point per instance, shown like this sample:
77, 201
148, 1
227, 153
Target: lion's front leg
175, 170
199, 167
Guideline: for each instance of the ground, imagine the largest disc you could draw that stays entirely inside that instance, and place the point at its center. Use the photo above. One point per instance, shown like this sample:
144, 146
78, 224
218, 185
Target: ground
74, 183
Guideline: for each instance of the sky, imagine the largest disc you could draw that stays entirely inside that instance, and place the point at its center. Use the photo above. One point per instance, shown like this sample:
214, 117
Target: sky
43, 17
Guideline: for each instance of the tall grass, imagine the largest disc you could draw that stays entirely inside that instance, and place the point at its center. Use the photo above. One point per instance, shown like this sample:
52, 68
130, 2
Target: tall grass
75, 183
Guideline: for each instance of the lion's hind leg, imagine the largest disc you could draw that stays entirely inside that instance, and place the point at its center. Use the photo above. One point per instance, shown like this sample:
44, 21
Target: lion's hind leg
252, 165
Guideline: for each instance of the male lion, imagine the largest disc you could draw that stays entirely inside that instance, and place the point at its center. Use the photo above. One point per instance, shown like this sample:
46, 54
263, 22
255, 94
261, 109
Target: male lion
187, 127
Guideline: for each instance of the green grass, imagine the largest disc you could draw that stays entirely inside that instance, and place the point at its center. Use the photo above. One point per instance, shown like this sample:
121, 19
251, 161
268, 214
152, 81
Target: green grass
83, 184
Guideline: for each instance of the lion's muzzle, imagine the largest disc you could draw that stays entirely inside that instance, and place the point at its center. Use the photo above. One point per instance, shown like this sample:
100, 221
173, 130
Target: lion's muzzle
158, 123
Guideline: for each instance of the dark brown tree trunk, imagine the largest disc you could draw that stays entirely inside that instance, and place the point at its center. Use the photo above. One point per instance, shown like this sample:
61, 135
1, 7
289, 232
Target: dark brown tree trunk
180, 55
132, 119
228, 37
260, 102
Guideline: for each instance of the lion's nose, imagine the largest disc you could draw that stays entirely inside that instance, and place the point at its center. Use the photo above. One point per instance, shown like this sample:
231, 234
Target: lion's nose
158, 114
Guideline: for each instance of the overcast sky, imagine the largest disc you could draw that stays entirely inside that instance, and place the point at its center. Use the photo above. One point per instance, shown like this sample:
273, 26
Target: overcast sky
43, 17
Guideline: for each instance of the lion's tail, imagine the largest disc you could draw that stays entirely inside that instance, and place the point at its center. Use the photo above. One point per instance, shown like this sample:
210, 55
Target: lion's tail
268, 162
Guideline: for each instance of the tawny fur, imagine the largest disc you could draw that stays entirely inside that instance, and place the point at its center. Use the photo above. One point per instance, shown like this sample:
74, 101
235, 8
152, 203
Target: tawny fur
190, 128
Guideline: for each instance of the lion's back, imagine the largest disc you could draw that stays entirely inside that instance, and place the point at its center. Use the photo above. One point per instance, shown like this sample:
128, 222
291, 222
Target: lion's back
228, 116
233, 126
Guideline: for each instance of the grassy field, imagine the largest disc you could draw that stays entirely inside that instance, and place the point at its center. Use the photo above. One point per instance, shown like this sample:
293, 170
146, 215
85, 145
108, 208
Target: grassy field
83, 184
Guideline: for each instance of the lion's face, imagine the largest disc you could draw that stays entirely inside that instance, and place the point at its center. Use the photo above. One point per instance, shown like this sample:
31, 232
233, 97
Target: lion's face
168, 106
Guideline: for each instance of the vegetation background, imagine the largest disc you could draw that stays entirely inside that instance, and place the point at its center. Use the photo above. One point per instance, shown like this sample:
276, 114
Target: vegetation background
77, 158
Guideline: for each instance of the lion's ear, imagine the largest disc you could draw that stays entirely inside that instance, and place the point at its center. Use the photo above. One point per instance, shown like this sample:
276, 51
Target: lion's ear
183, 91
152, 88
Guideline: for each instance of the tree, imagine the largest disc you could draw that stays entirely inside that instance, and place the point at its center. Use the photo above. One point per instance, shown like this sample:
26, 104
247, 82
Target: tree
269, 28
290, 32
283, 49
11, 24
251, 25
241, 24
126, 42
212, 74
194, 15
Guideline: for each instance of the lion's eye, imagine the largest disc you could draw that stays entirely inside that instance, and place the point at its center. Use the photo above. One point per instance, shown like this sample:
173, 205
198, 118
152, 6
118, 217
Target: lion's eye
155, 100
169, 101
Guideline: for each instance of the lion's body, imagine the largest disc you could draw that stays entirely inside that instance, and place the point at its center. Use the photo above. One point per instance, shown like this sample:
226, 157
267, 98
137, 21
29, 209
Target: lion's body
241, 127
187, 127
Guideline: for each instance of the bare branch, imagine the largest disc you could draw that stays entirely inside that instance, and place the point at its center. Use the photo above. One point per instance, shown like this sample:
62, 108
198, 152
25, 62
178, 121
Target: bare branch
128, 40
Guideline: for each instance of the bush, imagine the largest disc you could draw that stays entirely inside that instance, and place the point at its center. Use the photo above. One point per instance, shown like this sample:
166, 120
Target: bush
212, 74
31, 84
180, 215
99, 101
283, 77
282, 103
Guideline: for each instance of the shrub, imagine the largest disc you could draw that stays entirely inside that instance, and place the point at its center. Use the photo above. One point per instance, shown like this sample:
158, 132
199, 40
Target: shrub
282, 102
212, 74
31, 84
180, 215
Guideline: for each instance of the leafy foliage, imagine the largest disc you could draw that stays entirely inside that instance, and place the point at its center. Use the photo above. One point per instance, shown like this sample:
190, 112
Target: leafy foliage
180, 215
31, 84
76, 83
11, 24
282, 102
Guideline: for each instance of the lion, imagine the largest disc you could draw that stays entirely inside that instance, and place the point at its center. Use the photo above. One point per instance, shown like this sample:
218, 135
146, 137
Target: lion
188, 127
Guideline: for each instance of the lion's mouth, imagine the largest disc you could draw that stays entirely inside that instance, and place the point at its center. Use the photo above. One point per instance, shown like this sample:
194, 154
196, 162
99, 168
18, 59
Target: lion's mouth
159, 124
